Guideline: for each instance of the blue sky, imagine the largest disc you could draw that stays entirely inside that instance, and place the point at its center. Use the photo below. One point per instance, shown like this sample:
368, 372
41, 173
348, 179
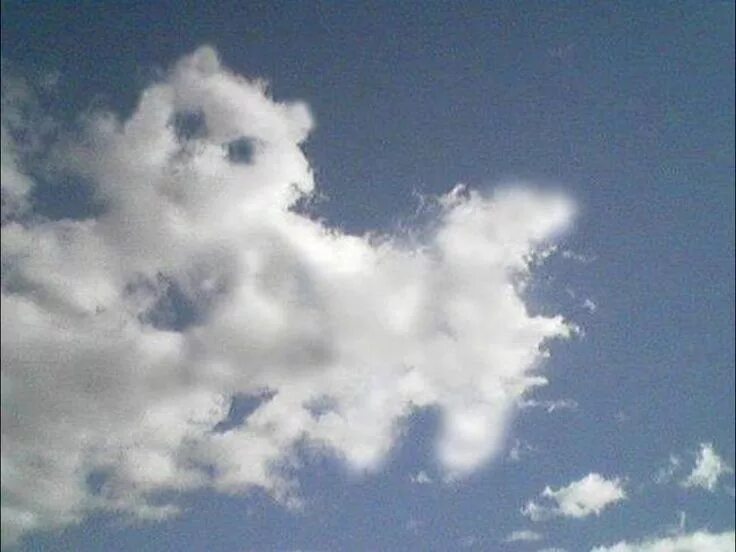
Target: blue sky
604, 130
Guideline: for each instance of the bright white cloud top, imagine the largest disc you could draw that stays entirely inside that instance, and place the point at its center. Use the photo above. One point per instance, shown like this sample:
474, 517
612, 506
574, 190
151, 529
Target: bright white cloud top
587, 496
699, 541
709, 467
110, 395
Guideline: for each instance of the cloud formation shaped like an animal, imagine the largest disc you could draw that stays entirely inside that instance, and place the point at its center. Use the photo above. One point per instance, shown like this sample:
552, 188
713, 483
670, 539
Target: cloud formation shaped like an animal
127, 334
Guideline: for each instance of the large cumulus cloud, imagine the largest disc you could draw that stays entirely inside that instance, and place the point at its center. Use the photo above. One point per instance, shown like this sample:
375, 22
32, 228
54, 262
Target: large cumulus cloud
127, 334
699, 541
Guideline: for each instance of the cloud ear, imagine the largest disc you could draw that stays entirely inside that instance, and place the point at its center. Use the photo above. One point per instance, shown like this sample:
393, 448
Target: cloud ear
205, 61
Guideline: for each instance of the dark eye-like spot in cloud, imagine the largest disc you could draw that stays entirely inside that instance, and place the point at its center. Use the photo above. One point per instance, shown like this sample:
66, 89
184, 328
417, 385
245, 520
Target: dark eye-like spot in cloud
189, 125
70, 197
322, 405
174, 310
96, 480
163, 303
241, 150
241, 407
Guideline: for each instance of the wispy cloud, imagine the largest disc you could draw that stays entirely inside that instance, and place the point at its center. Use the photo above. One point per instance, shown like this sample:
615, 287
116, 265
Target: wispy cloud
520, 449
590, 305
523, 535
666, 473
549, 405
709, 467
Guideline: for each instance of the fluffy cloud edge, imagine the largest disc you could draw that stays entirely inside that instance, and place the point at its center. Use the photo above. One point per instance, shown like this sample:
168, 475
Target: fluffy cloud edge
587, 496
698, 541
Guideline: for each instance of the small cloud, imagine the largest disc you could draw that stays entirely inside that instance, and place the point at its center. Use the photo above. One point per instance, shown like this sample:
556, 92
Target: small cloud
709, 467
520, 449
590, 495
589, 305
420, 478
523, 535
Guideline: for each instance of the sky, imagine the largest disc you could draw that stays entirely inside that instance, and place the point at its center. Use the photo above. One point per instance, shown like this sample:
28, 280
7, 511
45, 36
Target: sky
368, 276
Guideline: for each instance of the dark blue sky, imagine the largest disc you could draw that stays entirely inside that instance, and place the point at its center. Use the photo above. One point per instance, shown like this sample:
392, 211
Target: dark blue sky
628, 106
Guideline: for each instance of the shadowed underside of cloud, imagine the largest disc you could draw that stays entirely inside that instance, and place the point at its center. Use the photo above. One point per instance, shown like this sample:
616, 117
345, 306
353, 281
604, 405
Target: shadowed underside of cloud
127, 335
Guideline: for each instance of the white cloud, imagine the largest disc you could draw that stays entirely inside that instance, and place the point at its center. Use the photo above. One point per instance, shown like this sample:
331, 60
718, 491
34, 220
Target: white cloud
112, 393
589, 495
420, 478
709, 467
523, 535
699, 541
